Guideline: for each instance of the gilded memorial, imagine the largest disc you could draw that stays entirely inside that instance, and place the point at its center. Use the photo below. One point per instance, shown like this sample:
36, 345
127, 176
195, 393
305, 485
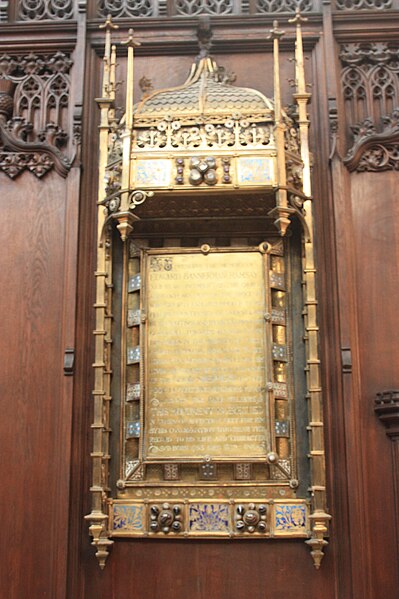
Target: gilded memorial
207, 399
205, 325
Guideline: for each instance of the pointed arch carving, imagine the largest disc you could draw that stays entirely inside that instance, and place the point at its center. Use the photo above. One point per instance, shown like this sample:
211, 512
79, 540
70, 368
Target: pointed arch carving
34, 104
370, 87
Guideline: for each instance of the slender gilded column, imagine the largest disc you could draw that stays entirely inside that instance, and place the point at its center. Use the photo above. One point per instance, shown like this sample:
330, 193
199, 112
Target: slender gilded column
124, 216
282, 211
102, 333
319, 517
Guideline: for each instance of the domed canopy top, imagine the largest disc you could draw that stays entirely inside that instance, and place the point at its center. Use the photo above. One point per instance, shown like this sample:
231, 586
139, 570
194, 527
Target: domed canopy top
203, 95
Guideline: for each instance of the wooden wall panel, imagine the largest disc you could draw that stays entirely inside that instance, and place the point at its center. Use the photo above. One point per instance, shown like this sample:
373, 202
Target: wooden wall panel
376, 245
44, 436
204, 570
35, 416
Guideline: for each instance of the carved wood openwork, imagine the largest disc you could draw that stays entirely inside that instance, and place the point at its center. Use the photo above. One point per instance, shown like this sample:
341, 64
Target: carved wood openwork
34, 98
191, 8
363, 4
38, 10
271, 6
130, 8
370, 85
63, 10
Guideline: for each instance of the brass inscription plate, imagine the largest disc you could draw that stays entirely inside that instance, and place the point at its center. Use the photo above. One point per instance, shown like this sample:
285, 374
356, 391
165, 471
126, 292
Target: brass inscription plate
206, 361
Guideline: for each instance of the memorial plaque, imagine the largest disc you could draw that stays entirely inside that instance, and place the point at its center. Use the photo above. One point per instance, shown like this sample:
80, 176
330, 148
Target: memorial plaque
206, 365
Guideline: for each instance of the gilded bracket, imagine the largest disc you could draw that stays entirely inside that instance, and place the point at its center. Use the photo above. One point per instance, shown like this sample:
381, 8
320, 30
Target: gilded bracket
126, 218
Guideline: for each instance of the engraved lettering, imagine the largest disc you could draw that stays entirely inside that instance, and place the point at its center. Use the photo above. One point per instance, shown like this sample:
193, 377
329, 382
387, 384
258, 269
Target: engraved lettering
206, 369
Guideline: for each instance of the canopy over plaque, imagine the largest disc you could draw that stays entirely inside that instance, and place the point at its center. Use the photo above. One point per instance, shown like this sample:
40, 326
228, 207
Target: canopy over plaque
206, 135
205, 96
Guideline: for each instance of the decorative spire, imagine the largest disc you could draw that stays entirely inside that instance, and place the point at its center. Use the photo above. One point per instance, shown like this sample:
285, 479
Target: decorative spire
302, 97
276, 34
131, 43
108, 26
300, 72
204, 36
282, 211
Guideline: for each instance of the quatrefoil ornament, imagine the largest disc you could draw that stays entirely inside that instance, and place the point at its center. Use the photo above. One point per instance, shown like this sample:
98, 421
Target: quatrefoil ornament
203, 170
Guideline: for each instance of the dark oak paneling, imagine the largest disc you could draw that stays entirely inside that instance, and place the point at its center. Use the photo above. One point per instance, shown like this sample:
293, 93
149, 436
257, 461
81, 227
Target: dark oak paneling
35, 412
201, 570
45, 438
376, 235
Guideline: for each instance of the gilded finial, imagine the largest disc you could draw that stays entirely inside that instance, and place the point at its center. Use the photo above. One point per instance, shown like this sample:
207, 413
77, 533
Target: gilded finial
276, 33
131, 42
108, 25
298, 17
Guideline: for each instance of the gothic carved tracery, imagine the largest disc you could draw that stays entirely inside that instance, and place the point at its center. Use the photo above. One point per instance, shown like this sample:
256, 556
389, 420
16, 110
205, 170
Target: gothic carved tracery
34, 93
370, 84
210, 7
271, 6
363, 4
39, 10
127, 8
192, 8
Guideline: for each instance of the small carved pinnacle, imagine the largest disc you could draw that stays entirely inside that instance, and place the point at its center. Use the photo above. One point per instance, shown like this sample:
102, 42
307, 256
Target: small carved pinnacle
108, 25
146, 86
204, 36
131, 42
276, 33
298, 17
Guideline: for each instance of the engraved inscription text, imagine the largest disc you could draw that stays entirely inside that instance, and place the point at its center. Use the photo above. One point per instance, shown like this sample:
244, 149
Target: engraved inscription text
206, 358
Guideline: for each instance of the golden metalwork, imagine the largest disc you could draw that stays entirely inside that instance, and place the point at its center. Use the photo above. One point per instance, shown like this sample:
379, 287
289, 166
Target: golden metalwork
205, 137
102, 363
161, 387
282, 211
319, 517
206, 310
203, 95
288, 518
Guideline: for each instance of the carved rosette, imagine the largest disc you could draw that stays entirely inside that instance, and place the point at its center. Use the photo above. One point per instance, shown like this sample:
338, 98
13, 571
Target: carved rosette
14, 163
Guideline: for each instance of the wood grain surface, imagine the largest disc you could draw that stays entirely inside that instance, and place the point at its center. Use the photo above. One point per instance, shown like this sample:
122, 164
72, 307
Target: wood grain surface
45, 417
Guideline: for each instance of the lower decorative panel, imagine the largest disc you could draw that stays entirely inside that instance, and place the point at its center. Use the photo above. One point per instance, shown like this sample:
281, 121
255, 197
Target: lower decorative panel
174, 519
